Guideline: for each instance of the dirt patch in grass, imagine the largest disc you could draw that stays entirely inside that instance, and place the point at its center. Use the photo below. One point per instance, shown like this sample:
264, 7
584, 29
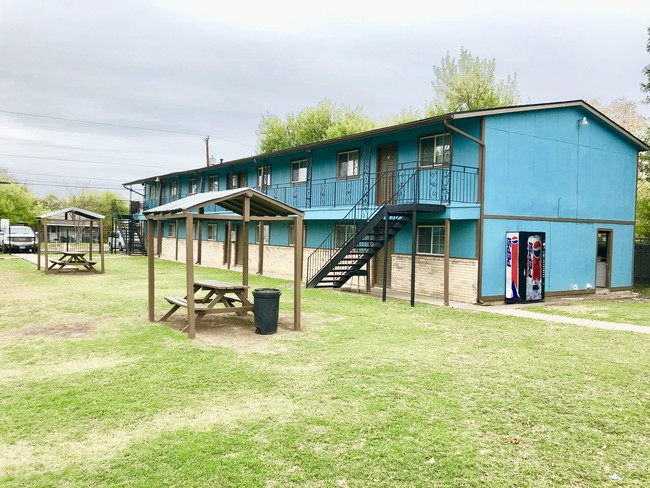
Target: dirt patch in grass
68, 327
98, 446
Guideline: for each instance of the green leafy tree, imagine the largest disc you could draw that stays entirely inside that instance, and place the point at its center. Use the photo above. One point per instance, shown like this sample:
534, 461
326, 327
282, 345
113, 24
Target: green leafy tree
643, 213
469, 83
327, 120
645, 87
17, 203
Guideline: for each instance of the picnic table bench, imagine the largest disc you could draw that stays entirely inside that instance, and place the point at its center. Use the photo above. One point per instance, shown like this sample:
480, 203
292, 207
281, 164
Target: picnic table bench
231, 298
72, 259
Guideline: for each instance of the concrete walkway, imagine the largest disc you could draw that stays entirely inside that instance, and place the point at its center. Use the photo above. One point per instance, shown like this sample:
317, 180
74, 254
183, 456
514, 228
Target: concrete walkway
510, 310
518, 311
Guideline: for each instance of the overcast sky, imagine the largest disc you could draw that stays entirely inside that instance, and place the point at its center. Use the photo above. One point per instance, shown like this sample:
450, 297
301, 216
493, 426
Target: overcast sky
208, 67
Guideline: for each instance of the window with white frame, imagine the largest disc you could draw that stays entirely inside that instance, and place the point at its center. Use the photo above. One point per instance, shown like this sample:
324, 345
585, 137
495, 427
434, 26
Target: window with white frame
213, 183
173, 190
267, 234
431, 239
192, 186
171, 229
292, 234
299, 171
343, 233
435, 150
347, 164
212, 232
264, 176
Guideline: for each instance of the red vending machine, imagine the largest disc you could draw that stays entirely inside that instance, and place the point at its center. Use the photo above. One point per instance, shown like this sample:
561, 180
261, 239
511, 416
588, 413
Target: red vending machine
525, 266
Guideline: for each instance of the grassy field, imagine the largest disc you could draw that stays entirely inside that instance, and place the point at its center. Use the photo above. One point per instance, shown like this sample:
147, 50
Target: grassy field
627, 311
369, 394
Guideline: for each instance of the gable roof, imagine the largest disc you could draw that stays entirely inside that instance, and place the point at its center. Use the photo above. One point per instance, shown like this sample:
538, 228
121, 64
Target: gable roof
64, 214
261, 205
581, 104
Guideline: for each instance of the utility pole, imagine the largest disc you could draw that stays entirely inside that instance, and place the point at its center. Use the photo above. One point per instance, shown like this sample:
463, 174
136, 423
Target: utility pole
207, 150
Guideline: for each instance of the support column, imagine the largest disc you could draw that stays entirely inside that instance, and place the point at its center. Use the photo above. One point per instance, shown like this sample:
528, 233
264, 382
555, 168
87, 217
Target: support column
101, 245
90, 242
383, 285
247, 215
39, 236
414, 250
150, 267
297, 273
228, 243
447, 247
45, 238
189, 268
260, 257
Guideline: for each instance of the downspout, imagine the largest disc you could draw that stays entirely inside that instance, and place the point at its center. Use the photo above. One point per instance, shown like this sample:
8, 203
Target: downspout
481, 183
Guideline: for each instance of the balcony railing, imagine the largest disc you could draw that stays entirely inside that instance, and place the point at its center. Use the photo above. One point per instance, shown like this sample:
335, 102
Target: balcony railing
443, 185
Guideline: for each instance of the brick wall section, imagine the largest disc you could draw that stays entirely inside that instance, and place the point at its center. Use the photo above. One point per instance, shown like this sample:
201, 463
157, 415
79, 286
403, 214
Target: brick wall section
429, 277
278, 261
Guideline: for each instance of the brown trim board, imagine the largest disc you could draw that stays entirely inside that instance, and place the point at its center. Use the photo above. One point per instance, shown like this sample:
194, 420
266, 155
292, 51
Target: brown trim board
557, 219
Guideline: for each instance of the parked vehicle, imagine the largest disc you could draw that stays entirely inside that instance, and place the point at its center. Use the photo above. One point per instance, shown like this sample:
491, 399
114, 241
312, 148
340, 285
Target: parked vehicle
18, 238
118, 242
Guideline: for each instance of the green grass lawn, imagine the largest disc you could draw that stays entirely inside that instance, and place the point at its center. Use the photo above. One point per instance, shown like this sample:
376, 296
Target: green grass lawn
627, 311
369, 394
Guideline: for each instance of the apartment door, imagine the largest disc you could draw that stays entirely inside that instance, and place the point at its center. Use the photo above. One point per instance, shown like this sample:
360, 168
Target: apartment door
240, 242
379, 266
604, 258
386, 173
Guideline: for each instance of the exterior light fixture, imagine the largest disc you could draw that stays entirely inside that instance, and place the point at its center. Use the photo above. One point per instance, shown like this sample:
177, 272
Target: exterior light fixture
583, 121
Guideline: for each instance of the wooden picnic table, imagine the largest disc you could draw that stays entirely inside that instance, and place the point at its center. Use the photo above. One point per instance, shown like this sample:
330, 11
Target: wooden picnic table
221, 297
72, 259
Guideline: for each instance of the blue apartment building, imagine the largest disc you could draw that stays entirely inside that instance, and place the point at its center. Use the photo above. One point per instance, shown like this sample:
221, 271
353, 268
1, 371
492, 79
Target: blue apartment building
425, 206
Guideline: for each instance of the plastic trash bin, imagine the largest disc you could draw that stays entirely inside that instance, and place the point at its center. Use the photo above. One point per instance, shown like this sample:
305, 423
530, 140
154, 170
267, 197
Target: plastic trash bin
266, 307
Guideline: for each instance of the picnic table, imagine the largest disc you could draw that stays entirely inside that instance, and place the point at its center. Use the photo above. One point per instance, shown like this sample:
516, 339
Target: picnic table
221, 297
72, 259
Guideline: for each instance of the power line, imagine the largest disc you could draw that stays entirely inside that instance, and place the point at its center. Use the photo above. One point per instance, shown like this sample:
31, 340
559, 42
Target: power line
107, 124
26, 183
80, 161
63, 176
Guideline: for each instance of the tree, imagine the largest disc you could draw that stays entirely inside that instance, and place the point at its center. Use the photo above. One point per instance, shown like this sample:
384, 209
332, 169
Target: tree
326, 120
469, 83
17, 203
645, 87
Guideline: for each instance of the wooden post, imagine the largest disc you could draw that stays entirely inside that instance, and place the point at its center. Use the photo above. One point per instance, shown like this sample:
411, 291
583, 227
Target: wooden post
199, 224
178, 231
101, 245
383, 285
247, 215
228, 242
297, 273
46, 264
414, 250
447, 247
38, 247
90, 242
150, 262
260, 257
189, 266
159, 240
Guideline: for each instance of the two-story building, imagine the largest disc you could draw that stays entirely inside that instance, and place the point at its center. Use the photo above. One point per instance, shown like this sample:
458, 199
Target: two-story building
425, 206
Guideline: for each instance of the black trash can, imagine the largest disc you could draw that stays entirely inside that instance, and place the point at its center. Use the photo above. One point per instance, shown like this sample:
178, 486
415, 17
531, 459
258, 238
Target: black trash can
266, 307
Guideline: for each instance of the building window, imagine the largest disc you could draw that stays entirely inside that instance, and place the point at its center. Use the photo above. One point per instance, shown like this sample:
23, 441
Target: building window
267, 233
212, 232
299, 171
264, 177
213, 183
292, 234
151, 191
173, 189
431, 239
347, 164
192, 186
171, 229
435, 150
343, 233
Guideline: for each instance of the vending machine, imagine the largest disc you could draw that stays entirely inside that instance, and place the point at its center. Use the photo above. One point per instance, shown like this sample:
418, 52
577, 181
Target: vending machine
525, 266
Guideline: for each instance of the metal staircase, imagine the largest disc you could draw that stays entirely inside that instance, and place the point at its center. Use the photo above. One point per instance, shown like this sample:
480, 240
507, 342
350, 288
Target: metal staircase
132, 233
365, 230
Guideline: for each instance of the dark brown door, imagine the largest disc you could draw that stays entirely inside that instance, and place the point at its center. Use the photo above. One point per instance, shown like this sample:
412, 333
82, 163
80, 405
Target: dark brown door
386, 173
239, 245
379, 266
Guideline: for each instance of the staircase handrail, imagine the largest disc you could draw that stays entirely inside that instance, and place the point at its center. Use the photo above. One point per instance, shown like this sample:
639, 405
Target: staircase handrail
351, 216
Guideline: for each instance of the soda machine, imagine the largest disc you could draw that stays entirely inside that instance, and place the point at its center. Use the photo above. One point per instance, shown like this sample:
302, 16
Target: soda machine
525, 266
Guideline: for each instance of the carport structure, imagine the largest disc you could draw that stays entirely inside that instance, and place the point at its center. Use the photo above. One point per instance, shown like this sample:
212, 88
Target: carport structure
245, 205
82, 221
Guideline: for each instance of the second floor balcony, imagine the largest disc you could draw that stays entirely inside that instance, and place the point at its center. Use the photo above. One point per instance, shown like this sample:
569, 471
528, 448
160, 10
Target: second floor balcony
406, 183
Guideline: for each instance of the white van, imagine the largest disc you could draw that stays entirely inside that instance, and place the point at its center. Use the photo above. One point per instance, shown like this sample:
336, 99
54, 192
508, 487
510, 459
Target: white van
18, 238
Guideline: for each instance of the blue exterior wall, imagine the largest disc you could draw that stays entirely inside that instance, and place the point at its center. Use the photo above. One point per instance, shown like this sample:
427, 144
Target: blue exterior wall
570, 254
543, 165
